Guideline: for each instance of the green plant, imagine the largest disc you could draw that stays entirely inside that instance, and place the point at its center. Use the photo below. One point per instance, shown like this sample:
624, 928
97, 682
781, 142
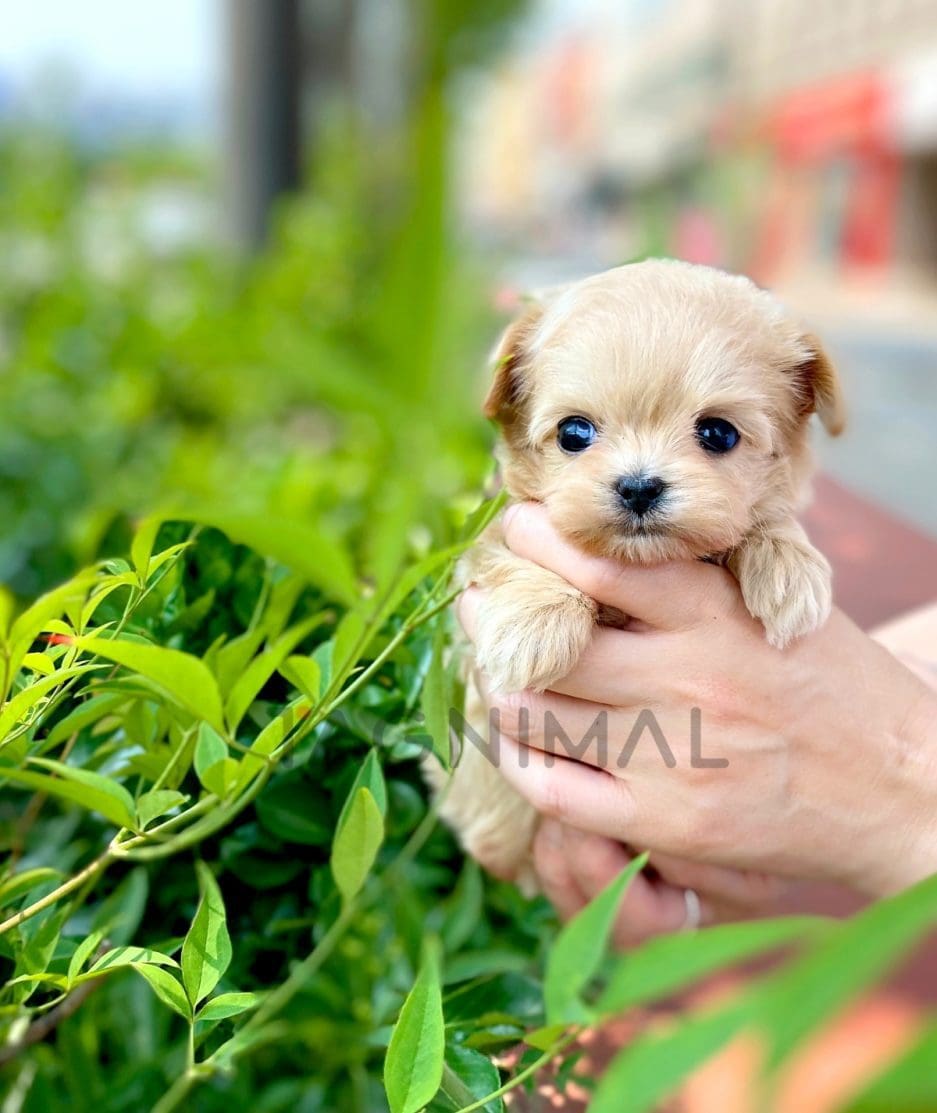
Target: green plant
278, 752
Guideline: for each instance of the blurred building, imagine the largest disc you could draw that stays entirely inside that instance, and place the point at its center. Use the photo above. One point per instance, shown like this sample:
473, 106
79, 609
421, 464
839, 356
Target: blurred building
782, 137
845, 97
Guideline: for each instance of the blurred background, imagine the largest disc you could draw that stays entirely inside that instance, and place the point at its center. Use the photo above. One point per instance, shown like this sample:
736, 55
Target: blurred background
239, 239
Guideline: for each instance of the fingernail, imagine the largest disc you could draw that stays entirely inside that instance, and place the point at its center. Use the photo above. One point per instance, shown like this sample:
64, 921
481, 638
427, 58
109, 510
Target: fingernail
510, 513
552, 834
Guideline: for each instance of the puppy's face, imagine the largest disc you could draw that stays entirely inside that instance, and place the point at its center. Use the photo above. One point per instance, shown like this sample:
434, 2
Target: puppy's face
659, 410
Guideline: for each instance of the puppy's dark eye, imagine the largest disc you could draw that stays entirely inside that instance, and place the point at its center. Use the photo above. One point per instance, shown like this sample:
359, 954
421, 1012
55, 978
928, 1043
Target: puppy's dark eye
575, 434
716, 434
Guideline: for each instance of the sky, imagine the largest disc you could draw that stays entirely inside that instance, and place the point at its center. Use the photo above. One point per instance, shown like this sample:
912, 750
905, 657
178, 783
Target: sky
161, 48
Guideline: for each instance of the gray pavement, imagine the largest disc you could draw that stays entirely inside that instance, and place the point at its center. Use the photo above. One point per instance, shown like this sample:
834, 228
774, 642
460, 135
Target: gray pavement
889, 450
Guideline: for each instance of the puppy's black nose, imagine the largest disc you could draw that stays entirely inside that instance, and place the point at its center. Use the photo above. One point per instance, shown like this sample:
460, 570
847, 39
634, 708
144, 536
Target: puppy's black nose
640, 492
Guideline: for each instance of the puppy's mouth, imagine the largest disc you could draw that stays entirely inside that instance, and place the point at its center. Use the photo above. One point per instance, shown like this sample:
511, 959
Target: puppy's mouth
645, 527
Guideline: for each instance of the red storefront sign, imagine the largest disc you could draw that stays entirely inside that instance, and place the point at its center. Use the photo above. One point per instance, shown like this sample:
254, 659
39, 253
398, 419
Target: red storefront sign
847, 114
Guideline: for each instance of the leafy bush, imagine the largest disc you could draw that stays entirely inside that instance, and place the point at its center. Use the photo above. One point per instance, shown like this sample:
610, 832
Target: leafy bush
238, 895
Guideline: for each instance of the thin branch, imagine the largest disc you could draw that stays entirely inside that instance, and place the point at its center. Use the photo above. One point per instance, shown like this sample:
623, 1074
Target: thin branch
64, 889
39, 1029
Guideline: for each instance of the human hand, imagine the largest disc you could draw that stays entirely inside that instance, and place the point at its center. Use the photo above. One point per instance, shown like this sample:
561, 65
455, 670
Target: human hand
573, 867
827, 751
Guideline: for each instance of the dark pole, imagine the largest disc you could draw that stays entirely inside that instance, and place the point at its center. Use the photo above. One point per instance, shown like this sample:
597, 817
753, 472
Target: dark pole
263, 113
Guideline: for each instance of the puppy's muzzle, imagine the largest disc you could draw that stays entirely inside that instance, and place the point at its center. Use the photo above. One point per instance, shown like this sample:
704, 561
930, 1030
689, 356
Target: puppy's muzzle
640, 493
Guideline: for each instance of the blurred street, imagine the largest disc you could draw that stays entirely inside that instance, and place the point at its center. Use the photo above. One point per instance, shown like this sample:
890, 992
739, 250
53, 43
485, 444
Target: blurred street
889, 451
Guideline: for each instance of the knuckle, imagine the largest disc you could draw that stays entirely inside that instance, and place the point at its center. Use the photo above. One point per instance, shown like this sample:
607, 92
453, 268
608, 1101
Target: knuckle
550, 796
717, 695
516, 711
549, 862
704, 834
601, 580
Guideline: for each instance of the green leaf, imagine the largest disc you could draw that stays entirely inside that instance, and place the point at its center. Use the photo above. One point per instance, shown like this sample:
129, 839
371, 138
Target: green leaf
484, 963
483, 515
86, 713
130, 956
218, 772
850, 958
308, 551
464, 909
18, 707
89, 790
157, 802
166, 987
82, 620
654, 1065
413, 1066
411, 579
271, 737
305, 675
206, 950
234, 657
672, 962
284, 809
467, 1077
248, 1039
166, 555
82, 953
33, 620
356, 843
248, 685
228, 1004
513, 996
39, 662
436, 697
41, 938
16, 886
908, 1085
7, 604
221, 777
141, 548
575, 957
369, 776
347, 644
183, 677
119, 916
210, 748
544, 1038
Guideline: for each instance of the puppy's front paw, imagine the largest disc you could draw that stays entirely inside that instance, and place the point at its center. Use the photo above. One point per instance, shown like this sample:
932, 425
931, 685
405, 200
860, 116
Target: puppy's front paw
786, 583
526, 641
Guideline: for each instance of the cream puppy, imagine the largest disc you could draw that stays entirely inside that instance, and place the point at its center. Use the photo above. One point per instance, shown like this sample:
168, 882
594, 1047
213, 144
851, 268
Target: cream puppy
658, 411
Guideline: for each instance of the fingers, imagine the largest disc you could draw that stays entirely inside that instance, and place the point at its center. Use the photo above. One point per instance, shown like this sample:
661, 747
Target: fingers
743, 889
555, 724
574, 867
670, 596
638, 743
554, 868
623, 669
576, 794
619, 668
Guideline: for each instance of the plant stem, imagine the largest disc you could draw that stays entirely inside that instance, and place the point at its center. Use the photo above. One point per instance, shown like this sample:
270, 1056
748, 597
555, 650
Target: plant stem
176, 1093
299, 976
66, 887
173, 761
404, 632
561, 1044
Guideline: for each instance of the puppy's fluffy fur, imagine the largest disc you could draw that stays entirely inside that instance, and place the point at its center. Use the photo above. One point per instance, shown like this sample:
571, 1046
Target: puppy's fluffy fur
643, 351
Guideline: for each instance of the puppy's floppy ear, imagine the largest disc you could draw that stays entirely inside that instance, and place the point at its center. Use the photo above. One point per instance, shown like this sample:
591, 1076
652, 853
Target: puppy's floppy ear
822, 392
510, 358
